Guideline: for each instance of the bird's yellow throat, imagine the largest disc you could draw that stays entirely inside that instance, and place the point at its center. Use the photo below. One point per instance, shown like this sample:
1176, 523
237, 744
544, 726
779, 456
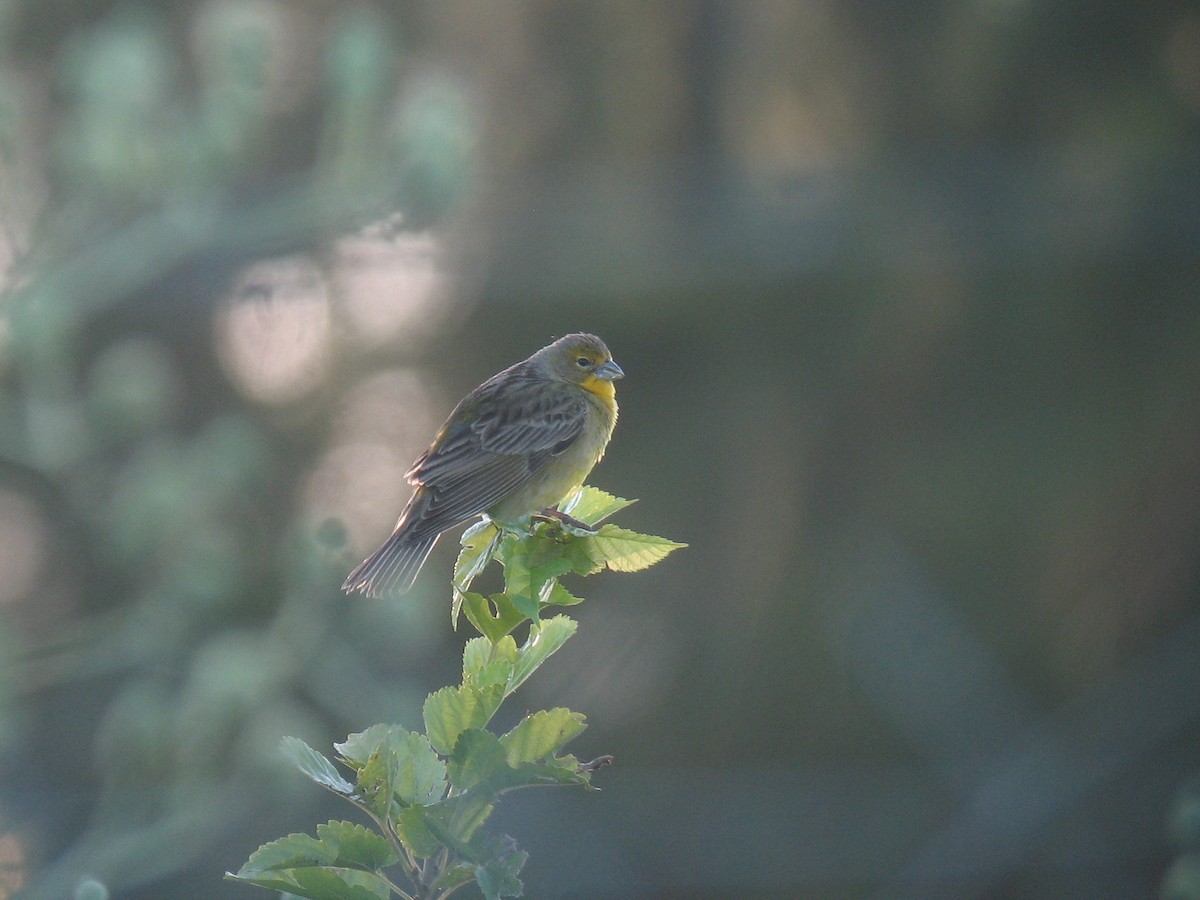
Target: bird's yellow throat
601, 387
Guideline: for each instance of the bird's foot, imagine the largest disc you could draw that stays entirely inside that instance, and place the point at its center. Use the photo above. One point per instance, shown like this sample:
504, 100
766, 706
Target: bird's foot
549, 514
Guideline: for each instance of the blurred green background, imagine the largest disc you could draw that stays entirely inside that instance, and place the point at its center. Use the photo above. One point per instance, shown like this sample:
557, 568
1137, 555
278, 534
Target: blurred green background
908, 298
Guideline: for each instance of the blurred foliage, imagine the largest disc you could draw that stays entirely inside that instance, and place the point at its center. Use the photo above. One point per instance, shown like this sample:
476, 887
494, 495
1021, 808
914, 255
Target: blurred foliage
907, 299
177, 606
1182, 881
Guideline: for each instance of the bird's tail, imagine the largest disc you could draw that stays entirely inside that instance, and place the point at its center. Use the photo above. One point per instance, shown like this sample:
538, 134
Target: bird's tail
391, 568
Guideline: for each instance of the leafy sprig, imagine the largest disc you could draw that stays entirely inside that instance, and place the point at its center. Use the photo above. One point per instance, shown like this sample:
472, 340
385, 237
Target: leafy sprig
429, 795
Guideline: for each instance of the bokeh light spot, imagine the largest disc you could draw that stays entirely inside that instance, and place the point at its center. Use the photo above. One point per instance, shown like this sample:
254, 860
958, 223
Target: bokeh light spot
394, 286
22, 545
12, 865
274, 331
384, 423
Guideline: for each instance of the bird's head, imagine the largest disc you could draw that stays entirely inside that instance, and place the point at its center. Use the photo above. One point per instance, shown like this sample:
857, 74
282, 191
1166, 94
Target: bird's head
582, 359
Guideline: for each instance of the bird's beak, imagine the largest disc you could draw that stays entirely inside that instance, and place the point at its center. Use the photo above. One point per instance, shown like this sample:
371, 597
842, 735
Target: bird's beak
609, 371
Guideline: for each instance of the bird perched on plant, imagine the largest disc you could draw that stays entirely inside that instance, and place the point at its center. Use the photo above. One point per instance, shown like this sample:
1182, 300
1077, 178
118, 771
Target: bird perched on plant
516, 445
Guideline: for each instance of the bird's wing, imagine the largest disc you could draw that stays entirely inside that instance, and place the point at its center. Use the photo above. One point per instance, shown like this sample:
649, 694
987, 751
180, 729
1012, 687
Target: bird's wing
500, 436
511, 417
549, 417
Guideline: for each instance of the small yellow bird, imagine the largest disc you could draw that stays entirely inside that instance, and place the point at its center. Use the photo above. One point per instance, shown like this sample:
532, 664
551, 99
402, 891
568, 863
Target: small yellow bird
516, 445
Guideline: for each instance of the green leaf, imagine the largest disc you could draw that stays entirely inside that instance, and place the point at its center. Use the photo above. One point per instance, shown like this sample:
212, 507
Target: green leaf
498, 879
413, 830
289, 852
357, 847
478, 757
452, 710
544, 639
454, 876
541, 734
478, 543
478, 610
481, 763
561, 770
456, 604
358, 747
400, 766
560, 596
531, 563
455, 821
477, 653
497, 673
375, 782
421, 777
521, 583
337, 865
579, 553
485, 663
544, 546
593, 505
320, 883
627, 551
315, 766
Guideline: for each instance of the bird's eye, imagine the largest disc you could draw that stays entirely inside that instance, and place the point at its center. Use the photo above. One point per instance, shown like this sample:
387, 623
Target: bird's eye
584, 362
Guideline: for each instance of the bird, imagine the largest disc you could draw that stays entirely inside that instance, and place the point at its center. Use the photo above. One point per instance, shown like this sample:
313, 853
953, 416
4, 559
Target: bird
515, 446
